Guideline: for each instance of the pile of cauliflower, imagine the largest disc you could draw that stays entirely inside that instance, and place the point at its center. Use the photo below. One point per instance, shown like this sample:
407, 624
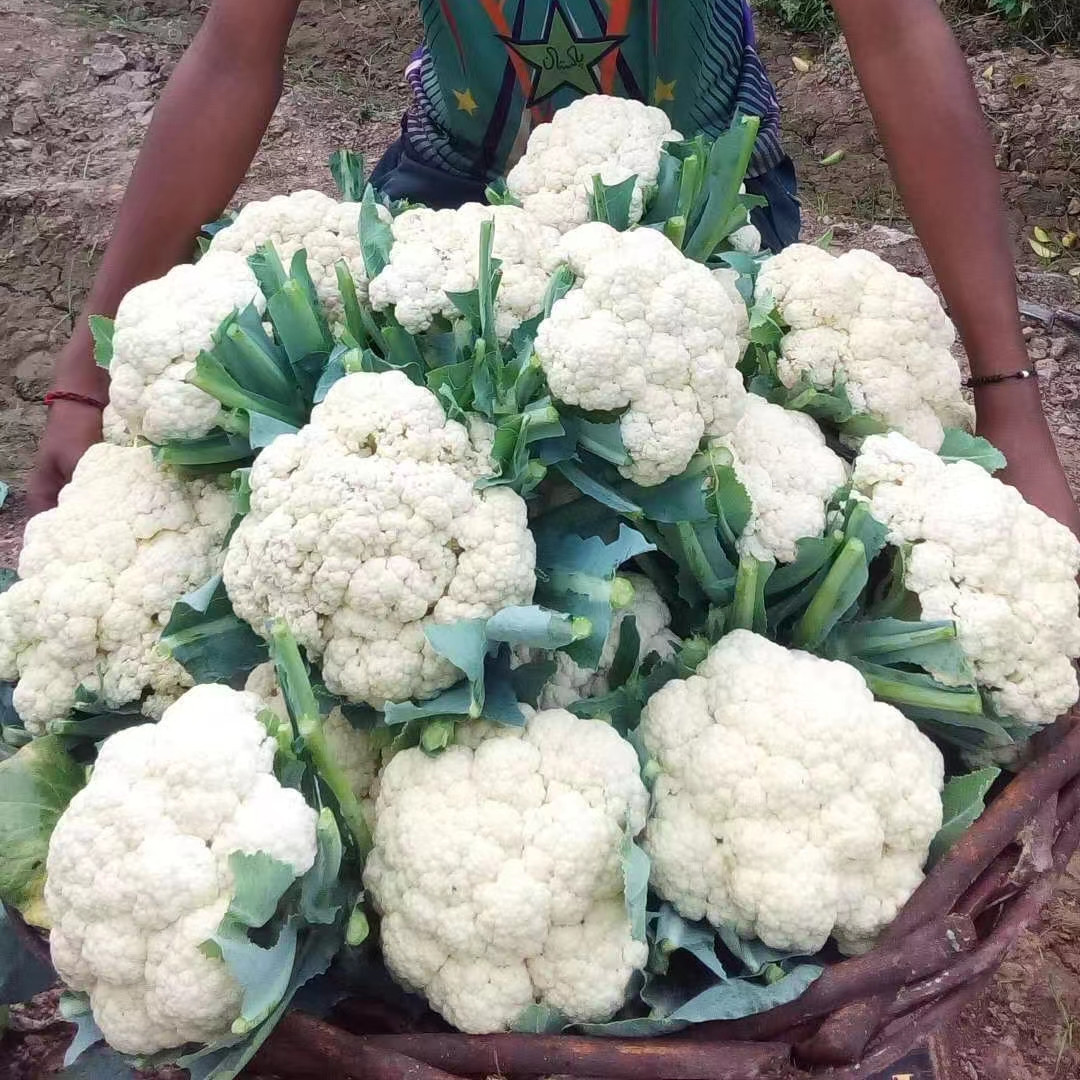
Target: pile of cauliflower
494, 769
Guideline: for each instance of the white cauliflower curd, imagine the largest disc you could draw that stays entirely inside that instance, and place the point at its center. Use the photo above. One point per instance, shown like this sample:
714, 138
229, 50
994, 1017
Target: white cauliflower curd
650, 332
497, 872
326, 230
98, 577
160, 329
365, 527
858, 322
570, 682
437, 252
788, 803
982, 556
613, 138
781, 459
138, 874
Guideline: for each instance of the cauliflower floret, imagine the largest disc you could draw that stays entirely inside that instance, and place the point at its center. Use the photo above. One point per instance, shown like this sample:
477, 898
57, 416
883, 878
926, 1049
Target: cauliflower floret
570, 682
138, 870
437, 252
780, 457
98, 577
1002, 569
649, 331
788, 804
615, 138
365, 527
326, 230
857, 321
496, 870
161, 327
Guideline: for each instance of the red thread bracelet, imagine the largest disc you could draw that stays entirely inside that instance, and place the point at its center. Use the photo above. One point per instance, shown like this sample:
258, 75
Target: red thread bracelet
53, 396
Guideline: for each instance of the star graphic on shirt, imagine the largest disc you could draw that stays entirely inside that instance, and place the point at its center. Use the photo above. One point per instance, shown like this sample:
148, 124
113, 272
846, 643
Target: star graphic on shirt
560, 58
663, 91
465, 101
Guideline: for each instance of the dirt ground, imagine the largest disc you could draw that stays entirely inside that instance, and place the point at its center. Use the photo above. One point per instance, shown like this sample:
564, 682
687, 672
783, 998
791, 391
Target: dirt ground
78, 82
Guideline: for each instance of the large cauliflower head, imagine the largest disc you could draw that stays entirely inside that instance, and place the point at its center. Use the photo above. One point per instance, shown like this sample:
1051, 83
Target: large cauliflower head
781, 459
613, 138
138, 870
161, 327
437, 252
365, 527
497, 871
98, 577
570, 682
650, 332
857, 321
788, 803
1002, 569
326, 230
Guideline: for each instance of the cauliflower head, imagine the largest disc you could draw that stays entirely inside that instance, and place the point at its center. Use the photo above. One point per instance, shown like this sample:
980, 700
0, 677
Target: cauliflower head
781, 458
437, 252
497, 872
327, 231
613, 138
161, 327
98, 577
365, 527
856, 320
982, 556
138, 873
788, 803
570, 682
650, 332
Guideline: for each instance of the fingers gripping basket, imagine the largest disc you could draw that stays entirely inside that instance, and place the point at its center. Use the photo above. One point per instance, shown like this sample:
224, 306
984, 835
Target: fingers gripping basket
858, 1017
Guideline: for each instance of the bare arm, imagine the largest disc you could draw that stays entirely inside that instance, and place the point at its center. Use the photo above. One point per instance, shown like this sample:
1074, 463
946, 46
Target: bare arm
927, 112
206, 128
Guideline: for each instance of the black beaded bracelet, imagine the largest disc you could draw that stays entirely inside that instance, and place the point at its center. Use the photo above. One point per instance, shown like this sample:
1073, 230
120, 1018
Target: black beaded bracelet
989, 380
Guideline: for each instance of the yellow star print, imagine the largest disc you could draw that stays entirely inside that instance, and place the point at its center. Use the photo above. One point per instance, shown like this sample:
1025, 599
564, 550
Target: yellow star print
465, 101
665, 91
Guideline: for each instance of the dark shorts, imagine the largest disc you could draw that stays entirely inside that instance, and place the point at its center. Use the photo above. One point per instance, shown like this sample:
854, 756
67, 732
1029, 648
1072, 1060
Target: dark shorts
399, 175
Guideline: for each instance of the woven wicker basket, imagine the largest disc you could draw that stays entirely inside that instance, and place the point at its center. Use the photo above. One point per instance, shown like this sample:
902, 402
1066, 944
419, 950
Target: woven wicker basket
859, 1017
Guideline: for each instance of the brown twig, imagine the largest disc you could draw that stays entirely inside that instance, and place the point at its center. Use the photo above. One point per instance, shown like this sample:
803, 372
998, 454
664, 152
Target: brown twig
615, 1059
923, 953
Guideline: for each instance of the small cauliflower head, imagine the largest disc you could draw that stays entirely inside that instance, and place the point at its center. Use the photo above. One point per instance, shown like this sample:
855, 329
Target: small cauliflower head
360, 754
138, 870
161, 327
365, 527
650, 332
982, 556
570, 682
788, 803
857, 321
437, 252
781, 459
327, 231
98, 577
613, 138
496, 870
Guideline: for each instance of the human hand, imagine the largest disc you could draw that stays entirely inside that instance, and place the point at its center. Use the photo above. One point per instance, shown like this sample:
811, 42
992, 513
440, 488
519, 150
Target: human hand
1011, 417
71, 429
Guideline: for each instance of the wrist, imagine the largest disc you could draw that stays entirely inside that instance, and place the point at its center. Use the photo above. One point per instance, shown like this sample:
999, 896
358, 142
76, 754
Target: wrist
77, 372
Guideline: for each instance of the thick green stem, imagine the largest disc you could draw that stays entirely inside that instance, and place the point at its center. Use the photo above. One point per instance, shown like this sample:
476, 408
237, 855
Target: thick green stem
698, 562
917, 695
877, 644
488, 284
833, 598
304, 709
675, 230
747, 589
